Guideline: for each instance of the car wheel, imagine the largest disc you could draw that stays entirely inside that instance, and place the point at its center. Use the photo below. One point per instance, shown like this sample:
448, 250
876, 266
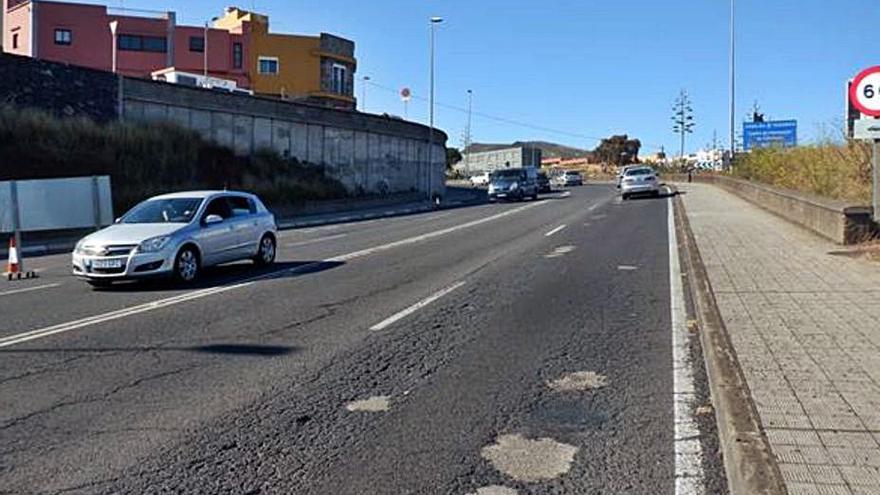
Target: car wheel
624, 197
535, 196
100, 284
187, 265
266, 253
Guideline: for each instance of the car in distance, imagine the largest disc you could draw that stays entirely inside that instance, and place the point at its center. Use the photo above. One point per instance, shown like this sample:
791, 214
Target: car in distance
514, 183
570, 178
177, 235
639, 180
481, 180
544, 183
622, 172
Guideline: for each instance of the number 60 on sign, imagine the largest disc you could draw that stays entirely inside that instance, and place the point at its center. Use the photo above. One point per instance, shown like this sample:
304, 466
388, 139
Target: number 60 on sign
865, 92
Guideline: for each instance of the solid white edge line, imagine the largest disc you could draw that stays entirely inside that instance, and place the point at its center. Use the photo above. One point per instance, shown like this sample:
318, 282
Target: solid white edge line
688, 451
415, 307
555, 231
201, 293
28, 289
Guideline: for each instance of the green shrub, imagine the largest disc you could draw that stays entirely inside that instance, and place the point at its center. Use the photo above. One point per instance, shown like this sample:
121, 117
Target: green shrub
148, 159
839, 171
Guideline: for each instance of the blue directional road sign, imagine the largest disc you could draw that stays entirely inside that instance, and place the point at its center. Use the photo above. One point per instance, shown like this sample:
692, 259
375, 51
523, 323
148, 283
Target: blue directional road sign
775, 133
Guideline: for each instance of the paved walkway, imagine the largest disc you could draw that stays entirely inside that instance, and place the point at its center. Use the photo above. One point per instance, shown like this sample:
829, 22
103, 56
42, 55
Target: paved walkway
805, 325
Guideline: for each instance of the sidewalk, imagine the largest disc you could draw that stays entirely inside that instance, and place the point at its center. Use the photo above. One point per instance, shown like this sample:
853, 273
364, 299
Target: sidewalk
805, 326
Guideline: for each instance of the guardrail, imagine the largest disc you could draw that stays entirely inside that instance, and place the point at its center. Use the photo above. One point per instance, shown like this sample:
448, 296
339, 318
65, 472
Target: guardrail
834, 220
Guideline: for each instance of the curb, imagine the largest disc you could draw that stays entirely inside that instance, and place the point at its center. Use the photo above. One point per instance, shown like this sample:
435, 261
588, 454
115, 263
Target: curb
749, 463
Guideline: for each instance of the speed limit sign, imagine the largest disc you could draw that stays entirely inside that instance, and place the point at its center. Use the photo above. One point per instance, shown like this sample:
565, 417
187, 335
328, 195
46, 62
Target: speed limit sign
865, 92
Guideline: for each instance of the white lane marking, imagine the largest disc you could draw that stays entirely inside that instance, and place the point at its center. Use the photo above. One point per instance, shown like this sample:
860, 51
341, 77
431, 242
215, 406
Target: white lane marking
198, 294
627, 268
430, 235
560, 251
688, 449
314, 241
415, 307
28, 289
555, 231
378, 403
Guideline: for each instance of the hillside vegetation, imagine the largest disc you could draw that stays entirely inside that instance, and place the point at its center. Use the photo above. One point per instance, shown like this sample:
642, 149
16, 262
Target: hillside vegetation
147, 159
838, 171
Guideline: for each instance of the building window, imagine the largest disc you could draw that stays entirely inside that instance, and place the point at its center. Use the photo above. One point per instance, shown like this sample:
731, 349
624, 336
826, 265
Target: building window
15, 41
340, 79
268, 65
196, 44
142, 43
237, 55
63, 37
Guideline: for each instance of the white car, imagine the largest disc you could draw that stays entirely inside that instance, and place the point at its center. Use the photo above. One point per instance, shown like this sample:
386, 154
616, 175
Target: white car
639, 180
176, 235
481, 180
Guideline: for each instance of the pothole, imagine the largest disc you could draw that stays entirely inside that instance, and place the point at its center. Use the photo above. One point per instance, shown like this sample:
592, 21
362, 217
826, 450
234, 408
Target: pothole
378, 403
530, 460
578, 381
494, 490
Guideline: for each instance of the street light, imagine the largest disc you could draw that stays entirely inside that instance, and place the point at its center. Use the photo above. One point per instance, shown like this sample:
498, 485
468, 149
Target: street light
467, 143
433, 23
365, 79
732, 79
205, 52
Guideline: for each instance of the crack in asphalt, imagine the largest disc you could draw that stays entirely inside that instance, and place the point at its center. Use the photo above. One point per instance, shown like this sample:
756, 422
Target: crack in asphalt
94, 398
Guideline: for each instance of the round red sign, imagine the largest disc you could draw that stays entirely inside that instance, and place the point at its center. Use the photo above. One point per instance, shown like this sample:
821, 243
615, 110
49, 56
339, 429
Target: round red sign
865, 92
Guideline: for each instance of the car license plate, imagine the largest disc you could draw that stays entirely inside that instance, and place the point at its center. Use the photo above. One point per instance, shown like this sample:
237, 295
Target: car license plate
106, 264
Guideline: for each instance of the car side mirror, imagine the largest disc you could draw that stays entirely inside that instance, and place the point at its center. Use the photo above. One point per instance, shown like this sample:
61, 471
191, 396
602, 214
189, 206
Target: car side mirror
213, 219
118, 220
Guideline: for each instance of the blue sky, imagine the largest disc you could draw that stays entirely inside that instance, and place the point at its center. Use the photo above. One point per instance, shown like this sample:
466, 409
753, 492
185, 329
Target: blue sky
592, 67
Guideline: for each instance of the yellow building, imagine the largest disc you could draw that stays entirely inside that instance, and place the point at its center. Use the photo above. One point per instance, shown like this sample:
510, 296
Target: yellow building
318, 69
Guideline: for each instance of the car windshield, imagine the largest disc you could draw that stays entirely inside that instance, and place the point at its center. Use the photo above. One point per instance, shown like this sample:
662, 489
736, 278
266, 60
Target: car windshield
172, 210
507, 174
639, 171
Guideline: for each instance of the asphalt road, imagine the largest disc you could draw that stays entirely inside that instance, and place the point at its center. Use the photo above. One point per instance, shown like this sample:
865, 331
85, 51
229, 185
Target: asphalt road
416, 354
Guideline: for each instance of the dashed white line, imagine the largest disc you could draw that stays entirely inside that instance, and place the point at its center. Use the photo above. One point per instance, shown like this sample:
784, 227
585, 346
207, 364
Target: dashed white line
28, 289
689, 478
555, 231
415, 307
314, 241
198, 294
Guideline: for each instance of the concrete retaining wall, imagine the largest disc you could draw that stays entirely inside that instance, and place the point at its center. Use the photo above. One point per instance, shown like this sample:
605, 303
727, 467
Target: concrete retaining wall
829, 218
367, 153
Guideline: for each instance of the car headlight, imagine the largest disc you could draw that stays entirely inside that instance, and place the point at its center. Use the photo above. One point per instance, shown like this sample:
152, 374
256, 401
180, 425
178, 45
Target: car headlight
79, 246
154, 244
514, 185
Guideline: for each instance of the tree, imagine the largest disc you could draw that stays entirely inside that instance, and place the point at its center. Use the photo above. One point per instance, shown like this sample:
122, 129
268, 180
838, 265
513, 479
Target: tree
682, 118
618, 151
453, 156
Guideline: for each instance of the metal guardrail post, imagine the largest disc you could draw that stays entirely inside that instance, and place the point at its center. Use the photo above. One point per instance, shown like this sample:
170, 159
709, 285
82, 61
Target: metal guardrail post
96, 202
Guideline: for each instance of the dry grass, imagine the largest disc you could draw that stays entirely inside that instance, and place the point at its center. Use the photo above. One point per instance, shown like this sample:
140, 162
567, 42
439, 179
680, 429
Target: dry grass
838, 171
146, 159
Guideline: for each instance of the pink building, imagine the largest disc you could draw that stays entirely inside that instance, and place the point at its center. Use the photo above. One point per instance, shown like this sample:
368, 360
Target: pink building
81, 34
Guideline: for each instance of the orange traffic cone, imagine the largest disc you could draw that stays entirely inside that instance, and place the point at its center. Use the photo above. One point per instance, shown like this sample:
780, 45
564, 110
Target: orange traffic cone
13, 268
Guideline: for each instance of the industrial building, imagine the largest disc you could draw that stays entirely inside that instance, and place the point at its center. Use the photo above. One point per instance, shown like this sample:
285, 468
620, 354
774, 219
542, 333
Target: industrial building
489, 161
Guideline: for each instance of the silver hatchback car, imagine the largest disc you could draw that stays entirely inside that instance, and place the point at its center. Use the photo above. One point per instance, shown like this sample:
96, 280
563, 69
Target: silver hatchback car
176, 235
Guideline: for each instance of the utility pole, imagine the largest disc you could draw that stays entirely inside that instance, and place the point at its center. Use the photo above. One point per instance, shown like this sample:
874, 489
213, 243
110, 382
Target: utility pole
682, 118
364, 81
467, 134
205, 56
732, 79
434, 22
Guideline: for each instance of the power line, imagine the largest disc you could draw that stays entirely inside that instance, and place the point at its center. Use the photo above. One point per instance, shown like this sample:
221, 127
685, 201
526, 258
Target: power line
496, 118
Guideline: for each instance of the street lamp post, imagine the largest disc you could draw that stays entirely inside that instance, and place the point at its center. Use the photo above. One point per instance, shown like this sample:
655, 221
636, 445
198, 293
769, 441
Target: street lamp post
434, 22
467, 143
205, 56
732, 79
364, 80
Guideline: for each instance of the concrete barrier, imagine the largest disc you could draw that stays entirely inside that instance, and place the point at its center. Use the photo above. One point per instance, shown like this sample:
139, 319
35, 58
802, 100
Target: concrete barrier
832, 219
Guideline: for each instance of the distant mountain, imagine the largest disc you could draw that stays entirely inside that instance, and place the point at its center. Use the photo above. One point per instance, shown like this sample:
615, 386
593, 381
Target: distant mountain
548, 150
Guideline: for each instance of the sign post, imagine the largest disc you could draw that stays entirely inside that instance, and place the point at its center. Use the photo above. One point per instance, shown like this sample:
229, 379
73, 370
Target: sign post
864, 94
